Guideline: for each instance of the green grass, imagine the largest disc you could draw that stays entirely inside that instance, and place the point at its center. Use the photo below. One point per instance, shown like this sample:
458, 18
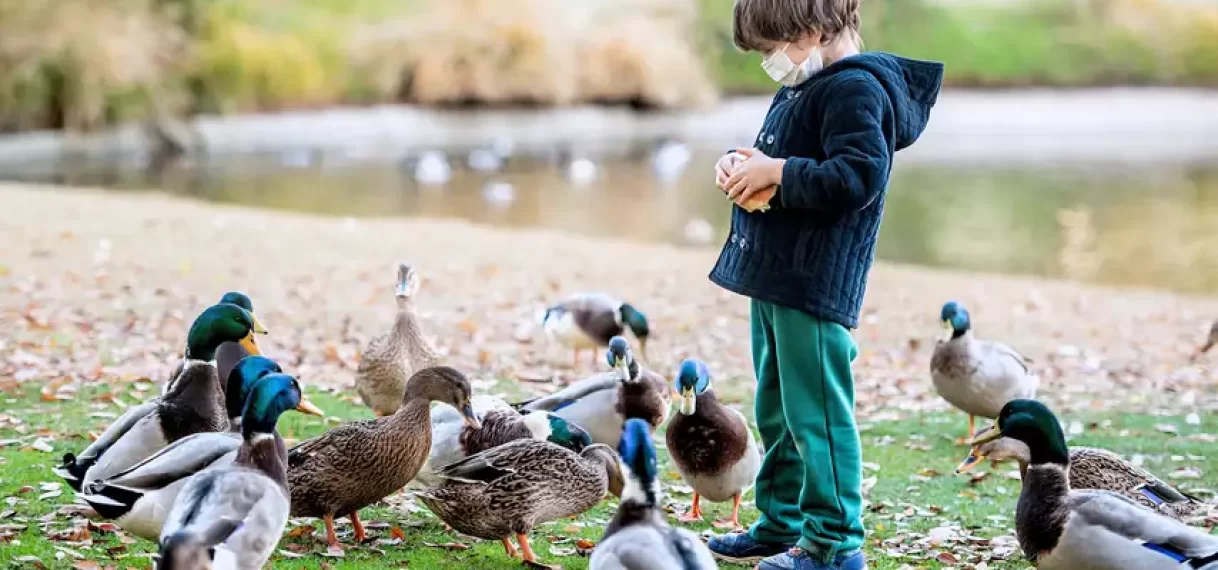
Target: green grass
911, 460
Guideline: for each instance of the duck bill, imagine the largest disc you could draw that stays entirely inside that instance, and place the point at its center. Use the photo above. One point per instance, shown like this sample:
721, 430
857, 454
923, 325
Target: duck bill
948, 330
622, 368
307, 407
987, 435
249, 344
643, 348
689, 402
471, 419
969, 462
258, 327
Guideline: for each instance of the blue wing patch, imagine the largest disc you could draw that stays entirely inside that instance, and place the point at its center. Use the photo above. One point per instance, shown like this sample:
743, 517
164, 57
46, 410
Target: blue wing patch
1154, 497
1168, 551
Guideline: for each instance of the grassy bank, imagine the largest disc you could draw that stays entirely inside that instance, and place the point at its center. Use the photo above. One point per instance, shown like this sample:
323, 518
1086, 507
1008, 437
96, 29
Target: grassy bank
98, 289
82, 64
918, 513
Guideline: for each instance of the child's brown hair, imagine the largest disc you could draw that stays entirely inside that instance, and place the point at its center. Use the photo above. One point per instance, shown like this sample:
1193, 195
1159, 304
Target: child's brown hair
756, 22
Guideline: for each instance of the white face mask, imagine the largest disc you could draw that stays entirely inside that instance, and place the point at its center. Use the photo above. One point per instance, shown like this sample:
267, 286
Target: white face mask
780, 68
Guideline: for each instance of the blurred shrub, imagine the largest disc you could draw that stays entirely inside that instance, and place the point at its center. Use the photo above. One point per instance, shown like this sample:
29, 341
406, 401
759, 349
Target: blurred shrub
245, 63
1017, 43
551, 52
81, 63
85, 63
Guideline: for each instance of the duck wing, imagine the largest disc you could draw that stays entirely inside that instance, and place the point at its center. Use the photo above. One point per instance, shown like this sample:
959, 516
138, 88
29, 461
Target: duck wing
241, 508
488, 466
566, 396
178, 460
74, 467
1138, 524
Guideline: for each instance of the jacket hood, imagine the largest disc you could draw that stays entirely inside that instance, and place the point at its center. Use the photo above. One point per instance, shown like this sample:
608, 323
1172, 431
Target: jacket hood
912, 86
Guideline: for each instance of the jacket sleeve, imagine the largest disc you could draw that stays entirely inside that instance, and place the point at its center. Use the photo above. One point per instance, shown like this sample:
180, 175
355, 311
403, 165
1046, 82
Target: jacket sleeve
856, 169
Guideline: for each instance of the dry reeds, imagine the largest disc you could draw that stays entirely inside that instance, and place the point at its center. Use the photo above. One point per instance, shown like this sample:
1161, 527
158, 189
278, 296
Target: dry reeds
549, 52
81, 63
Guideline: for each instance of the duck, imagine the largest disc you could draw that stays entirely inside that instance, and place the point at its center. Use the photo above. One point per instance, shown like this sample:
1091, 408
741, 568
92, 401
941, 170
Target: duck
140, 498
1062, 528
977, 376
194, 404
361, 462
711, 444
507, 490
639, 537
1093, 468
452, 439
590, 321
390, 359
235, 515
600, 403
229, 353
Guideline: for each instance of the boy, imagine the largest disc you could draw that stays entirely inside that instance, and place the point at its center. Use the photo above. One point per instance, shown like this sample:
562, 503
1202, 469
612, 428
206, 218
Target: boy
809, 198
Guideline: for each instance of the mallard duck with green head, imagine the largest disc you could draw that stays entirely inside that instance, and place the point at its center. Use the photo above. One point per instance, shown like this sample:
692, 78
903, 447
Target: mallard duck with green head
1061, 528
600, 403
977, 376
1092, 468
139, 498
359, 463
639, 537
590, 320
194, 404
390, 359
505, 491
711, 444
454, 439
229, 353
236, 514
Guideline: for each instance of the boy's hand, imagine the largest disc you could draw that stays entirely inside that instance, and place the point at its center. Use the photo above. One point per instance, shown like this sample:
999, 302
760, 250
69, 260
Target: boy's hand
723, 169
756, 173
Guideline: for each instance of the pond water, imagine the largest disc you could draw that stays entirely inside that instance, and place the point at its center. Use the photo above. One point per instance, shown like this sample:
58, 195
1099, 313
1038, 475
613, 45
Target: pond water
1109, 223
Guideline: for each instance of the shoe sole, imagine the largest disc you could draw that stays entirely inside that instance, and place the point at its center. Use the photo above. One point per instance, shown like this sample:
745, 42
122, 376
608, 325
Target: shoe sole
742, 560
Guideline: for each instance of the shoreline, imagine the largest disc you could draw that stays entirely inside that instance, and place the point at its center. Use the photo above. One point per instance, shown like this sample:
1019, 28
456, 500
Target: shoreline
967, 126
323, 285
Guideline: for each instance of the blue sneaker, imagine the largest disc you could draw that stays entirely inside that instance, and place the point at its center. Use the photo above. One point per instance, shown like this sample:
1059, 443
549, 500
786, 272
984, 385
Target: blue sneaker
799, 559
742, 548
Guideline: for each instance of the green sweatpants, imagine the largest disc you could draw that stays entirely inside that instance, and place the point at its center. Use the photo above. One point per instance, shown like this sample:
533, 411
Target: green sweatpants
809, 489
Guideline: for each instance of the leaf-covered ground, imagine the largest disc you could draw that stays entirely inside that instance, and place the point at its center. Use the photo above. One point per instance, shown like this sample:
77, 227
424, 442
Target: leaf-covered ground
96, 292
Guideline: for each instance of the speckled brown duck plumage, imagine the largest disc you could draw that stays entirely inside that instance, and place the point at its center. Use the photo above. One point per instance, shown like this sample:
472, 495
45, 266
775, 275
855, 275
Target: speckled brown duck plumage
509, 489
1093, 468
453, 439
392, 357
359, 463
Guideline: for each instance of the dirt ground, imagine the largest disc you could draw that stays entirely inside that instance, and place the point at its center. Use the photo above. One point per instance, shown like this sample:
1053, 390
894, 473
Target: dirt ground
100, 287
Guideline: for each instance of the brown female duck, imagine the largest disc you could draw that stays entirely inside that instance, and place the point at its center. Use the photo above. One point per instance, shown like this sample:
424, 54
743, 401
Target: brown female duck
392, 357
359, 463
509, 489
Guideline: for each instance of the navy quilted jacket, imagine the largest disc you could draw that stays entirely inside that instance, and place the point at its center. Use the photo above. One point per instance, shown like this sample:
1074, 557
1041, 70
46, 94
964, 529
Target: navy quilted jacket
838, 131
